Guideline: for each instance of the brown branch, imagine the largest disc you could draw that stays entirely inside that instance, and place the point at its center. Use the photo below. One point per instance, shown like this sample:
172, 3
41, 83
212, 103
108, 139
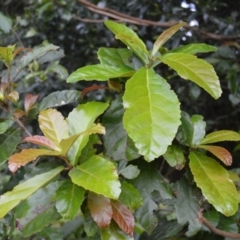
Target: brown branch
218, 231
144, 22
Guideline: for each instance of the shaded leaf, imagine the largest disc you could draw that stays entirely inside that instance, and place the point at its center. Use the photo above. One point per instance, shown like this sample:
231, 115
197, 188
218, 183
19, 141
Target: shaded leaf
130, 171
100, 208
85, 114
213, 217
8, 144
90, 226
153, 113
69, 198
187, 207
5, 23
53, 125
198, 129
123, 217
62, 72
97, 175
18, 160
42, 141
197, 70
219, 136
5, 125
29, 101
59, 98
100, 72
165, 36
117, 144
92, 88
215, 183
221, 153
11, 199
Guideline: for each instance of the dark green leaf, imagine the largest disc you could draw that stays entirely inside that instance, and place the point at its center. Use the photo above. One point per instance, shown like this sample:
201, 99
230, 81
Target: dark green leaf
130, 171
5, 125
213, 217
5, 23
69, 198
90, 225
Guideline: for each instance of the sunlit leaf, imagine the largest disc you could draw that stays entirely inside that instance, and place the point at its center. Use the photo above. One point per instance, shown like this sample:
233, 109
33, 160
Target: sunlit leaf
69, 198
153, 113
6, 54
219, 136
79, 120
215, 183
123, 217
18, 160
101, 209
197, 70
11, 199
5, 23
53, 125
97, 175
221, 153
29, 101
165, 36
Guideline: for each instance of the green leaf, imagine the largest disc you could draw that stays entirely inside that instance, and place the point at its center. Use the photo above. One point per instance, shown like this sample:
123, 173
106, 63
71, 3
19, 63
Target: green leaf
165, 36
5, 23
197, 70
130, 196
175, 157
59, 98
153, 113
69, 198
118, 145
187, 207
97, 175
11, 199
85, 114
100, 72
5, 125
219, 136
213, 217
53, 125
62, 72
198, 129
215, 183
129, 38
8, 144
7, 55
130, 171
90, 226
194, 48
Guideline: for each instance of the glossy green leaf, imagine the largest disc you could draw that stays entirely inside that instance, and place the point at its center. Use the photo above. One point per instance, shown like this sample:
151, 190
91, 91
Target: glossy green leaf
194, 48
130, 171
130, 196
215, 183
5, 23
118, 145
69, 198
6, 54
101, 209
198, 129
219, 136
100, 72
60, 98
8, 144
11, 199
189, 67
175, 157
53, 125
165, 36
90, 226
5, 125
130, 38
97, 175
85, 114
153, 113
187, 207
61, 71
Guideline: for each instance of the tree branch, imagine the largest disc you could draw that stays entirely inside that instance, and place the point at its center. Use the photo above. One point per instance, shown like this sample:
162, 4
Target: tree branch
144, 22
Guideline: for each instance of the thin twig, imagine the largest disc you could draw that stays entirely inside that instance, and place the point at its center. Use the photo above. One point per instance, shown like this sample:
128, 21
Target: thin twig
18, 38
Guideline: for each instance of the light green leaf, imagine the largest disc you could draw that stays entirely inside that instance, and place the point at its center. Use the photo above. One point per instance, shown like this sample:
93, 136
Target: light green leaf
194, 48
60, 98
100, 72
219, 136
5, 23
153, 113
97, 175
198, 129
215, 183
7, 55
130, 38
8, 144
80, 120
69, 198
165, 36
11, 199
197, 70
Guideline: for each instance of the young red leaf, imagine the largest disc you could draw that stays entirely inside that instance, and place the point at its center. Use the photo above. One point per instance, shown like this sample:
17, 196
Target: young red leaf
92, 88
222, 153
29, 101
42, 141
100, 208
27, 155
123, 217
